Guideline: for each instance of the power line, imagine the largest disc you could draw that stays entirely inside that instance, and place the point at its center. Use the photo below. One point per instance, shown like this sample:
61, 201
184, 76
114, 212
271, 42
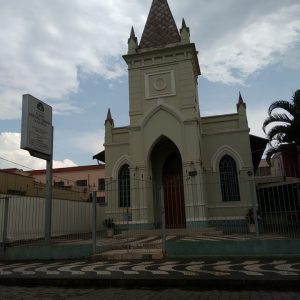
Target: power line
15, 163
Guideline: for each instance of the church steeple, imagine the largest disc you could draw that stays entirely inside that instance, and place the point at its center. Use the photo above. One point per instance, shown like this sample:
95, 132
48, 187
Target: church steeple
160, 28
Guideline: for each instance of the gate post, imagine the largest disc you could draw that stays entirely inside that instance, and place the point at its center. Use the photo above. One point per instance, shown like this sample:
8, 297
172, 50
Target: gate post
94, 222
163, 220
254, 204
5, 222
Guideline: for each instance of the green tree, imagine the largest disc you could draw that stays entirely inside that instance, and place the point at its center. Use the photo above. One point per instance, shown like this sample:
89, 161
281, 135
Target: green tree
284, 120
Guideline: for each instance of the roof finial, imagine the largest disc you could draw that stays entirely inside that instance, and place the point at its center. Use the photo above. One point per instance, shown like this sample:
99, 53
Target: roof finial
109, 118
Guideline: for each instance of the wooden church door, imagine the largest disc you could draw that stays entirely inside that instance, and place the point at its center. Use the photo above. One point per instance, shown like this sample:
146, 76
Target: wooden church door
173, 192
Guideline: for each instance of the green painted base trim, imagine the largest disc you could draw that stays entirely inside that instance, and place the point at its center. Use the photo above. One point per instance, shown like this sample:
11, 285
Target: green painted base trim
233, 248
233, 226
197, 224
136, 226
227, 226
103, 248
47, 252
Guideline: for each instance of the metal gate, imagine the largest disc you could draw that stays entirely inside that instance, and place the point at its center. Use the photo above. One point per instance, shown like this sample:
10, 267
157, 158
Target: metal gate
131, 221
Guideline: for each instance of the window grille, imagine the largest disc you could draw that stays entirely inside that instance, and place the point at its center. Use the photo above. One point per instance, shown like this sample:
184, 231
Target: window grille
124, 186
101, 200
229, 179
81, 182
59, 184
101, 184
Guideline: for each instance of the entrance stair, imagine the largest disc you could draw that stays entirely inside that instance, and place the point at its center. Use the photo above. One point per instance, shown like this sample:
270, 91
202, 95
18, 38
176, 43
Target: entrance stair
146, 244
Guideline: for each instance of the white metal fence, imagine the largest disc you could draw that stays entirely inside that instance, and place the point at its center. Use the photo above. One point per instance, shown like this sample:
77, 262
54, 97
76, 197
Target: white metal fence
23, 219
139, 211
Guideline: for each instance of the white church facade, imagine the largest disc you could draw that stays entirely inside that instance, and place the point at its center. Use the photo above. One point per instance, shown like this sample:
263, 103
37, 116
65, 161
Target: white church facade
168, 143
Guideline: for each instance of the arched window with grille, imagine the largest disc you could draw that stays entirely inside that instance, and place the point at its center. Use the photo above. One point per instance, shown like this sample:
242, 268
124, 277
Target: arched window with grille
124, 186
229, 179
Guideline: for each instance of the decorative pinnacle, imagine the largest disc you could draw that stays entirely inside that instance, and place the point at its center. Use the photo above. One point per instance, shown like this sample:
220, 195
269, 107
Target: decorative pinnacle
132, 33
240, 102
132, 36
109, 118
184, 31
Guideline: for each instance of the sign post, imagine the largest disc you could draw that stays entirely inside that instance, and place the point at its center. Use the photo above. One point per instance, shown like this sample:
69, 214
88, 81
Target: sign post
48, 201
37, 138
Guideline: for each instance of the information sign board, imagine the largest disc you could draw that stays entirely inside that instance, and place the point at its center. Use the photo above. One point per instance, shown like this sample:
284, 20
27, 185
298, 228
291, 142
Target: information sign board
36, 132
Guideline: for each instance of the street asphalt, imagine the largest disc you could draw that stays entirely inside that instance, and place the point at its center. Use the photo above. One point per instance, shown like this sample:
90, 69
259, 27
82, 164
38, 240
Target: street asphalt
50, 293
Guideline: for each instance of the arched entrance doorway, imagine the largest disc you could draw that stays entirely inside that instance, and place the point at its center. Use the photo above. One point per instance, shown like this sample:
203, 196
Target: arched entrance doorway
167, 171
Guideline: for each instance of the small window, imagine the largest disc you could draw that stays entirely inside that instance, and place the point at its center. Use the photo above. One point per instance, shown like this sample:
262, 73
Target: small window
59, 184
124, 186
81, 182
229, 179
101, 184
101, 201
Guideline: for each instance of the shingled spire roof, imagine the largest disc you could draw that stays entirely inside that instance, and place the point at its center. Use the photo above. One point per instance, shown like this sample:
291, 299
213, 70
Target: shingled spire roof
160, 28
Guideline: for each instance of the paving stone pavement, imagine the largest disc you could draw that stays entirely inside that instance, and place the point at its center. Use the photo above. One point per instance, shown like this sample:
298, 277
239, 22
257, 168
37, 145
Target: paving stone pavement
266, 274
259, 268
47, 293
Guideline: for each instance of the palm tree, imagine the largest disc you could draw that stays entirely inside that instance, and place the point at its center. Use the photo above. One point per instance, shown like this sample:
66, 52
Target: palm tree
285, 118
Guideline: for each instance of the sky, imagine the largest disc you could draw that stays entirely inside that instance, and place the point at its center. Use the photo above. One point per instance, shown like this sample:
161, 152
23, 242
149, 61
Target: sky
68, 53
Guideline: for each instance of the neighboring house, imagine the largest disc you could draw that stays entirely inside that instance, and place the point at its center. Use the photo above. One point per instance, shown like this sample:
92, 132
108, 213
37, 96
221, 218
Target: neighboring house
278, 190
282, 164
167, 139
81, 178
14, 182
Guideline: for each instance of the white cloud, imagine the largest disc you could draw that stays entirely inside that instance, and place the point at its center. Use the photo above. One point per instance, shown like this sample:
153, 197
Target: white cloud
256, 117
10, 153
241, 52
87, 142
46, 44
64, 163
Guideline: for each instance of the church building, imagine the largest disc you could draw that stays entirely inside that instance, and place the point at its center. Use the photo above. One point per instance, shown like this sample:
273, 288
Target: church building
207, 160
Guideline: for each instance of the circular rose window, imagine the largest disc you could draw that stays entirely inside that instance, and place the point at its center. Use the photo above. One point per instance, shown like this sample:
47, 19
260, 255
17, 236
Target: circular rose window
160, 84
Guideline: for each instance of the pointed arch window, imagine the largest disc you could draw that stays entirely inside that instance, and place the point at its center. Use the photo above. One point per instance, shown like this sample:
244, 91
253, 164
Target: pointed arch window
229, 179
124, 186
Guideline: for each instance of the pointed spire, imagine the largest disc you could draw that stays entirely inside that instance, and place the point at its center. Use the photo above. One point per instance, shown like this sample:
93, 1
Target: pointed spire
160, 28
132, 42
132, 33
109, 118
184, 33
240, 102
183, 24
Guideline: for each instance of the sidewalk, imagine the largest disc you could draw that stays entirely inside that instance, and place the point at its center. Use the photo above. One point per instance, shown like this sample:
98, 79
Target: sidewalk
200, 274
